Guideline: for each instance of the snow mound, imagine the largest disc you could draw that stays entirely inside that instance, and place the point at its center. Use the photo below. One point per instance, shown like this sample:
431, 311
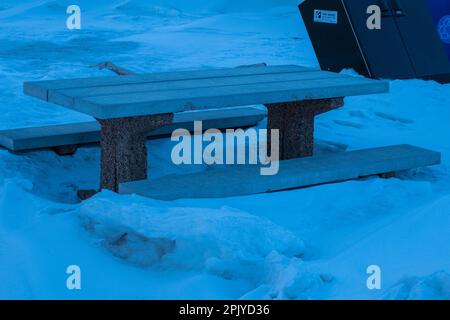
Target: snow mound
222, 6
224, 242
288, 279
432, 287
138, 7
192, 238
145, 9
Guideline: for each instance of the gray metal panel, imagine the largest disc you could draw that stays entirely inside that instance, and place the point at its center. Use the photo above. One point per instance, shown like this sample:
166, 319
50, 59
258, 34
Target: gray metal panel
293, 174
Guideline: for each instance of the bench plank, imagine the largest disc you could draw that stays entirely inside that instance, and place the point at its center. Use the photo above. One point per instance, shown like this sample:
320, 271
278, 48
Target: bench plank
21, 139
296, 173
172, 101
40, 89
68, 96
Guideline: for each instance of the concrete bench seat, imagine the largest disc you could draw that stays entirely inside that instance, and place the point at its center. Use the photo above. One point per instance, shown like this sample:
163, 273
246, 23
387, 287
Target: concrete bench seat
294, 173
54, 136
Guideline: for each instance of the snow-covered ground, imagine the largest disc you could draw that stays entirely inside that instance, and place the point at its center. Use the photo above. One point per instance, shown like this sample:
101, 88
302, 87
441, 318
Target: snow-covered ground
313, 243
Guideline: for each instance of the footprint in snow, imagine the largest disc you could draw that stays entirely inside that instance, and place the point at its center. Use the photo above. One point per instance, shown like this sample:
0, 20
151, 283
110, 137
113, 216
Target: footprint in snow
325, 146
393, 118
357, 114
351, 124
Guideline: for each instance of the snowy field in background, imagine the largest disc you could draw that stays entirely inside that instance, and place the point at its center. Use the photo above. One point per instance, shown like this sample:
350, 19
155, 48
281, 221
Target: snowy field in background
313, 243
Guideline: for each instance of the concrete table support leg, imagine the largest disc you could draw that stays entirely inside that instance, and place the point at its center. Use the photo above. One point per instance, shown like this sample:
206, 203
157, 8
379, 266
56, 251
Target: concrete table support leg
124, 153
295, 120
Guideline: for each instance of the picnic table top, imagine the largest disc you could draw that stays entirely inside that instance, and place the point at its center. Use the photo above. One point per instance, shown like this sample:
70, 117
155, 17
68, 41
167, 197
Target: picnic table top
172, 92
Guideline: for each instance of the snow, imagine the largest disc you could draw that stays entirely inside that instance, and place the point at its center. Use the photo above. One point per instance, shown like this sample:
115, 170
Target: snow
204, 237
433, 287
313, 243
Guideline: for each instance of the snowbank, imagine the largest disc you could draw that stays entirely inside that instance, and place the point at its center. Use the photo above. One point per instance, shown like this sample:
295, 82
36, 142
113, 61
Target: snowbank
196, 238
432, 287
225, 242
143, 7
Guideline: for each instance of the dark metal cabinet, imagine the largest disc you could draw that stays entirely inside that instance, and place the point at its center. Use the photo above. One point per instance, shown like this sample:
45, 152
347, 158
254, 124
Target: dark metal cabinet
440, 12
407, 46
334, 43
422, 42
384, 49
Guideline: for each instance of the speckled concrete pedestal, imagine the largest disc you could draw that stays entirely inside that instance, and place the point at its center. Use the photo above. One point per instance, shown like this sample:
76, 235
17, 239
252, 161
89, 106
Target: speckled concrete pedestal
124, 153
295, 120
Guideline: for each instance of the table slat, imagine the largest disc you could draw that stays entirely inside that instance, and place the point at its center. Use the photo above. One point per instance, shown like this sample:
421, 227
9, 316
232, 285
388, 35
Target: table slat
172, 101
66, 97
39, 89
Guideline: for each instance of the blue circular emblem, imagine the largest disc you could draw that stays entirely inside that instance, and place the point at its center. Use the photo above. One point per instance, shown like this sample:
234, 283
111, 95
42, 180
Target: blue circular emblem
444, 29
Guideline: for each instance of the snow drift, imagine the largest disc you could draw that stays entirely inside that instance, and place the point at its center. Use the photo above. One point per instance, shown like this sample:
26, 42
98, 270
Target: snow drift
432, 287
191, 238
225, 242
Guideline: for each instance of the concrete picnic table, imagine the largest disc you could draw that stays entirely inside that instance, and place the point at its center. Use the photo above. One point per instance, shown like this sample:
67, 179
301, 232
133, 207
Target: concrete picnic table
129, 107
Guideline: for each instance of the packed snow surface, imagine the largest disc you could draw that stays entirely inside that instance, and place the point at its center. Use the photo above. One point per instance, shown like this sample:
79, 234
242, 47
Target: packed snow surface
313, 243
